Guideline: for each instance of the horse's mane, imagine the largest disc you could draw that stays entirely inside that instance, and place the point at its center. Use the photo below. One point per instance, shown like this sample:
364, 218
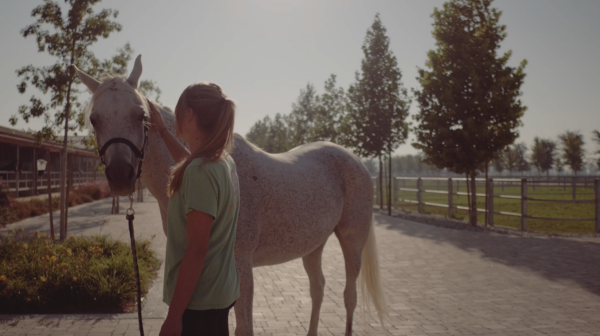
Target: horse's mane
109, 82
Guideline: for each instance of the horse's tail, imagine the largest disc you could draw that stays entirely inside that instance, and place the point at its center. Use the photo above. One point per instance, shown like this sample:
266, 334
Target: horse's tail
370, 278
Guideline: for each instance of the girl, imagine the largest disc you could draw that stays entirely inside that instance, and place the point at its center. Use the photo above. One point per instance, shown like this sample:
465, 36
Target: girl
201, 281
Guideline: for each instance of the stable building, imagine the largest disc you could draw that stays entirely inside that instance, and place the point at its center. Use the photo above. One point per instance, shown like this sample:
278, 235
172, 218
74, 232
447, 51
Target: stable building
28, 169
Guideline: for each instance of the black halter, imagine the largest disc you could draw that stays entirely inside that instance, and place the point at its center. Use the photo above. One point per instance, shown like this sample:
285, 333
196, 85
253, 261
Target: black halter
138, 153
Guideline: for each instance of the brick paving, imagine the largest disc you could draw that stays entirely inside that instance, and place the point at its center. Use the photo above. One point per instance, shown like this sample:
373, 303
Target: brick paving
438, 282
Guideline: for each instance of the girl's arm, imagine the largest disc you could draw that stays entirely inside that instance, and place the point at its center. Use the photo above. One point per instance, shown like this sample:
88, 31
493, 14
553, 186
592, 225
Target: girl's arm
176, 148
198, 225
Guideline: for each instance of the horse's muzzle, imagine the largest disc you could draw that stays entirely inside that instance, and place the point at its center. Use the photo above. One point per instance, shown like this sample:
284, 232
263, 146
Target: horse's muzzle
121, 178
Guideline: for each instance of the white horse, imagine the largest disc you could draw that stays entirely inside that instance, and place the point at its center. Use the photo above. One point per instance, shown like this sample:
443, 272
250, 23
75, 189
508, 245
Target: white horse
290, 202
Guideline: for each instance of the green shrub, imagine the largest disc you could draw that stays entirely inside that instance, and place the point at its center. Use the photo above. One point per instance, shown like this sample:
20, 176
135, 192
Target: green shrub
79, 275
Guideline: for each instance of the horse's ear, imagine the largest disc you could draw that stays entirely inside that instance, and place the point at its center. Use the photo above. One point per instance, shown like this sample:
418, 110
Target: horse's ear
87, 80
136, 73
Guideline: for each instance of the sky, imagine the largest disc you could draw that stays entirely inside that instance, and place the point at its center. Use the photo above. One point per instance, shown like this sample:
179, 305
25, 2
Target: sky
262, 53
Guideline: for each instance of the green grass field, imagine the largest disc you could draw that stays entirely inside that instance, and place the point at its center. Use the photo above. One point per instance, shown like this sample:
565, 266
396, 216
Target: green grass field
534, 208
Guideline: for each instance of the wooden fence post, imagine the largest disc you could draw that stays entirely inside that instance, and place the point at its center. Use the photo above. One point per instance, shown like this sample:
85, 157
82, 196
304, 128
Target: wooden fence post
419, 195
573, 186
597, 191
491, 202
450, 205
523, 204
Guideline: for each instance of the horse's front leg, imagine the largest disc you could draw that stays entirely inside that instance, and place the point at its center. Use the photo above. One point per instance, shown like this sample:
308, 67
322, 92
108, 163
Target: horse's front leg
243, 306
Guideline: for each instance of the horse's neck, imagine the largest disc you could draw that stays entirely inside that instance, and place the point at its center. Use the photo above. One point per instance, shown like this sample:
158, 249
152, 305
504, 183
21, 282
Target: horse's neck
158, 160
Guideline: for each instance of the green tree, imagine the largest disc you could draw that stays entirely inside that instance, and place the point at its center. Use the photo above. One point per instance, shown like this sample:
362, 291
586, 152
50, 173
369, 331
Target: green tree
520, 151
542, 154
377, 102
510, 159
259, 132
66, 37
469, 106
313, 118
301, 120
270, 134
329, 113
278, 136
499, 164
514, 158
596, 138
559, 166
572, 150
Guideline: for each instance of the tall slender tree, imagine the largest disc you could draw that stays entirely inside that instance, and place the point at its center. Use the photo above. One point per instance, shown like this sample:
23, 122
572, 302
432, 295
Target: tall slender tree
329, 112
522, 163
377, 102
510, 159
469, 105
573, 153
301, 120
66, 37
559, 166
543, 154
499, 164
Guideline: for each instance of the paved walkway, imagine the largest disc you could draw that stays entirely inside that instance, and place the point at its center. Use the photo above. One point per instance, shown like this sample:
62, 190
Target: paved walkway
438, 282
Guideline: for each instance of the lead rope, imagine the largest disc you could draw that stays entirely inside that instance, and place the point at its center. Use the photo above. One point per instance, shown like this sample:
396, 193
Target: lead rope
130, 216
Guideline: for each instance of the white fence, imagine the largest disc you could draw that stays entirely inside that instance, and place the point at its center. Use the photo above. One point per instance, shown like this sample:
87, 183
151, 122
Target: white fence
24, 182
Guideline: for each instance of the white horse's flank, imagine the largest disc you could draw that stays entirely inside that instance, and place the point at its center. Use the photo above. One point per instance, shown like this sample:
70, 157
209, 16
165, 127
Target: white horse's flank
290, 202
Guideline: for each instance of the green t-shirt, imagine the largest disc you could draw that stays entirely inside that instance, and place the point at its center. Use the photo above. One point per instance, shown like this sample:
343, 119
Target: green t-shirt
212, 188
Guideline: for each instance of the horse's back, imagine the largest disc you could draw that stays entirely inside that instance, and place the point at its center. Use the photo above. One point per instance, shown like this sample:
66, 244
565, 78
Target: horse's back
295, 199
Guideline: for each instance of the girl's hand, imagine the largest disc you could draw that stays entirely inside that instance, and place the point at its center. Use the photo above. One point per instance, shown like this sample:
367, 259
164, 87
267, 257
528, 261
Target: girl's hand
171, 327
156, 118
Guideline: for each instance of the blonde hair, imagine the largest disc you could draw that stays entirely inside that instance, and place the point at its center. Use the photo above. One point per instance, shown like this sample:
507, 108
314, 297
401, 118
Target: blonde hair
215, 114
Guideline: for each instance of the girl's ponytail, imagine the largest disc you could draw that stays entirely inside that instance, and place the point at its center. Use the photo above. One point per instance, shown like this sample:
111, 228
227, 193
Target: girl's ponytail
215, 115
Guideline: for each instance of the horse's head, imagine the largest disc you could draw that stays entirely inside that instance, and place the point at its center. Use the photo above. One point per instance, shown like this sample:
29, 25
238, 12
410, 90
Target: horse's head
118, 110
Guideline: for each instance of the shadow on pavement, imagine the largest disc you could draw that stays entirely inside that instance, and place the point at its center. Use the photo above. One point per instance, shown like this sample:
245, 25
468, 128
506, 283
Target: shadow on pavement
554, 258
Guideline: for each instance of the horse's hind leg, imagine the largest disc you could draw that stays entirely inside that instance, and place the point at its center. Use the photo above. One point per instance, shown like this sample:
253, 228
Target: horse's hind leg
243, 306
312, 265
352, 244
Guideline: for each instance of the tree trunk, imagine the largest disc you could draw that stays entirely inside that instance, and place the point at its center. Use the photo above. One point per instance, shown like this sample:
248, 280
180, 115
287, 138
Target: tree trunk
390, 184
69, 183
380, 187
63, 171
48, 172
63, 162
473, 212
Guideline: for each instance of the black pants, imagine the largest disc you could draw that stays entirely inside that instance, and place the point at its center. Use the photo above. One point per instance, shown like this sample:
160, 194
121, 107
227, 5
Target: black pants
212, 322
